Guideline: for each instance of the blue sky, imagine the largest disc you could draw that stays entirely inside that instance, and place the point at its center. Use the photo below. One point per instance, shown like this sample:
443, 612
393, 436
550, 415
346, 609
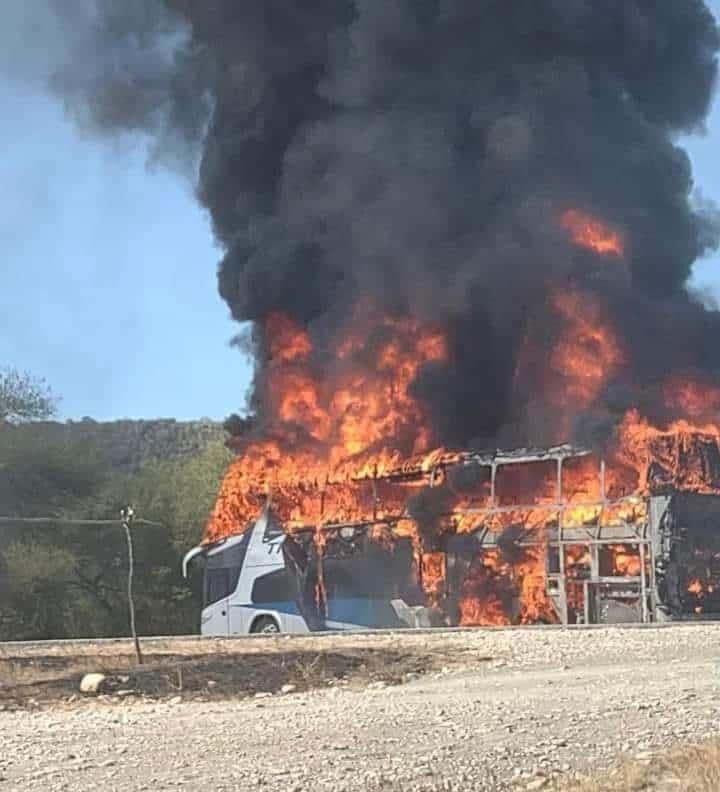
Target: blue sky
108, 289
703, 150
108, 270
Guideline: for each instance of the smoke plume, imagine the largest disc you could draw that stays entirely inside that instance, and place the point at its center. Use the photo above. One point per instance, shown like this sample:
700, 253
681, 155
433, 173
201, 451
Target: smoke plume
419, 156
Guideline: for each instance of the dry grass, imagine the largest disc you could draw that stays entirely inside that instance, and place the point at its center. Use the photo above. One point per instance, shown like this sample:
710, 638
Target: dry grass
688, 768
693, 768
215, 668
47, 679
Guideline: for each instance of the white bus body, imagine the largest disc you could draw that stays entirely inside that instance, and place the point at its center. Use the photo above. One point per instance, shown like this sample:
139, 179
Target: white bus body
248, 588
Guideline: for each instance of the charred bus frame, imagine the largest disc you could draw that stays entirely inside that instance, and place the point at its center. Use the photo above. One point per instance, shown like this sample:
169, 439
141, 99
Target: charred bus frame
646, 529
599, 589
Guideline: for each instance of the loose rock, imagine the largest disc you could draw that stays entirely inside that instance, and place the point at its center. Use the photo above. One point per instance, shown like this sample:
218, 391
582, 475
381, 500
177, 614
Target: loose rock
93, 684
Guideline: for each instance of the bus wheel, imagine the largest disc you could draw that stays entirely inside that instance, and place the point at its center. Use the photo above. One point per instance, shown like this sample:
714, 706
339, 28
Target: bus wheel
265, 624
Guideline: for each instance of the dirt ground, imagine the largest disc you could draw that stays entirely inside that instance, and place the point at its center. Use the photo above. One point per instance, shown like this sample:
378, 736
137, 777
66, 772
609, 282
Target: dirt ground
41, 679
488, 709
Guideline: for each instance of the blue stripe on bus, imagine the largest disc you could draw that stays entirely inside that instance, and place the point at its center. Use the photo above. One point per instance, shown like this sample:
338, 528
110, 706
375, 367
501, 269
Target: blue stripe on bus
289, 608
363, 612
360, 611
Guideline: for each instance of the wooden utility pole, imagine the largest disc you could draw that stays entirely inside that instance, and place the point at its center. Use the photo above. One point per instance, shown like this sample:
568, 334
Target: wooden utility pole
127, 515
127, 519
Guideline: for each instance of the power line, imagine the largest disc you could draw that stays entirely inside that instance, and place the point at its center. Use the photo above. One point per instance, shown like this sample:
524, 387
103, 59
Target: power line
71, 521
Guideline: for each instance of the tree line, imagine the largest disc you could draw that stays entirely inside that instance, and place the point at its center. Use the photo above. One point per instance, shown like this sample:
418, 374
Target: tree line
65, 577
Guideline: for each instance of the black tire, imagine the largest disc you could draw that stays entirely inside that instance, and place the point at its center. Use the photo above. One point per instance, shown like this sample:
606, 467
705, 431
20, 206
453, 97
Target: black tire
266, 625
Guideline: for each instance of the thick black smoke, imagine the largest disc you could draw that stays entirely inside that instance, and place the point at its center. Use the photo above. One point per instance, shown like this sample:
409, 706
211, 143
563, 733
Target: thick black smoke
419, 153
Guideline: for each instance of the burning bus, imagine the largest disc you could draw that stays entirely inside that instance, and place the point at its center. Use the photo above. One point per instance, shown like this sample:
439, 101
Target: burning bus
447, 229
457, 226
264, 581
470, 539
338, 513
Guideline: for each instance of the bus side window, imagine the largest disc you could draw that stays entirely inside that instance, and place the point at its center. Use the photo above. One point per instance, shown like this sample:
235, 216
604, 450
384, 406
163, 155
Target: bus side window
273, 587
218, 585
222, 571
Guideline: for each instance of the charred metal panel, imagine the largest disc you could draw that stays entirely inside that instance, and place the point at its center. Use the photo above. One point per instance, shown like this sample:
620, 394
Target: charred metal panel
687, 462
686, 548
630, 559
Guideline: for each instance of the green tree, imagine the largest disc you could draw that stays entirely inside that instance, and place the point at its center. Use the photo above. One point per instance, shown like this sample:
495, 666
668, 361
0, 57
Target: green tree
179, 496
66, 578
52, 574
36, 599
24, 397
45, 477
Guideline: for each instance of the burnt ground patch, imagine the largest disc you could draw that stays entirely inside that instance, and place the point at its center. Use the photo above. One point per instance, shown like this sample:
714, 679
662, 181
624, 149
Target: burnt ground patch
46, 679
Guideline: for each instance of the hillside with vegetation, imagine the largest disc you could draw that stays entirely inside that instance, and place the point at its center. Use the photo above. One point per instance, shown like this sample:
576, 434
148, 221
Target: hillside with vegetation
126, 445
66, 577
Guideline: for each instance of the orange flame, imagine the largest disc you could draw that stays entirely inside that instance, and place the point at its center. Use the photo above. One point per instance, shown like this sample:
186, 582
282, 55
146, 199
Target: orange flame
626, 560
591, 233
675, 450
480, 603
351, 444
354, 424
433, 575
696, 401
588, 354
497, 591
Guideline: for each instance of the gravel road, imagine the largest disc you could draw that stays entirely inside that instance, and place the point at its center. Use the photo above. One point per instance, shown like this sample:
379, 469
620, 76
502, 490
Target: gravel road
548, 703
